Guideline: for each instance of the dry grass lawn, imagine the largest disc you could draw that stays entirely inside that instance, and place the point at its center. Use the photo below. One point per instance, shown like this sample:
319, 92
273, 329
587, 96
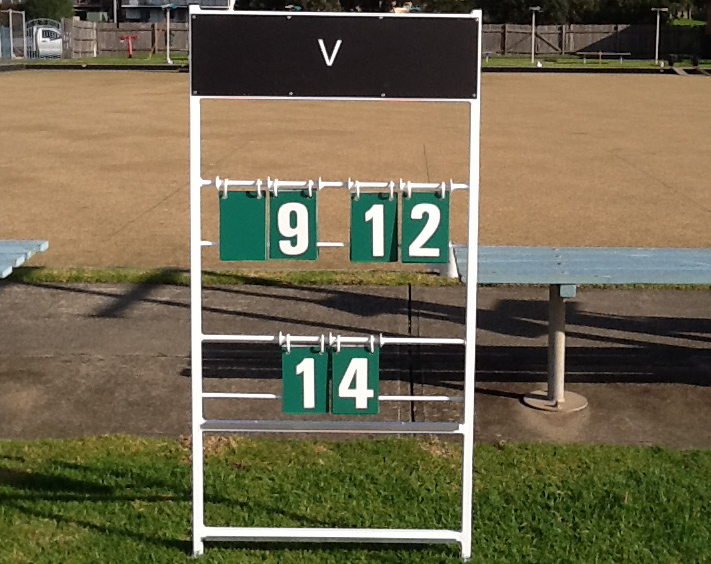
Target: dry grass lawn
97, 161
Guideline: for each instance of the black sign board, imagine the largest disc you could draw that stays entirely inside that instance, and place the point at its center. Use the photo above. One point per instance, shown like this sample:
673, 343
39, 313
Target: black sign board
334, 56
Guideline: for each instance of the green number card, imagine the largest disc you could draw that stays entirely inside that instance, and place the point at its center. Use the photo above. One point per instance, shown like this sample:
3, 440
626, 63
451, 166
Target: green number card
425, 228
355, 379
304, 374
243, 226
373, 228
293, 225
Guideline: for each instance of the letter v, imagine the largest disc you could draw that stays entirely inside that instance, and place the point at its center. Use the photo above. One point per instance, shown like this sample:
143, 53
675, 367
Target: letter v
329, 59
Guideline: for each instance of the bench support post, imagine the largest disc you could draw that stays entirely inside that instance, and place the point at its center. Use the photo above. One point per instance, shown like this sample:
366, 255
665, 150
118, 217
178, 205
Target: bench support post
555, 398
556, 346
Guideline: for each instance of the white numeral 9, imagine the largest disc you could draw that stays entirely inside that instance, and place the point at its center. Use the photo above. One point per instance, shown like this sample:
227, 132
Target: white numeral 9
293, 223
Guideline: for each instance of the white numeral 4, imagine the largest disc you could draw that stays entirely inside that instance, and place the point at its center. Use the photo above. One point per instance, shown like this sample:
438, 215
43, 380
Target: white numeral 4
357, 370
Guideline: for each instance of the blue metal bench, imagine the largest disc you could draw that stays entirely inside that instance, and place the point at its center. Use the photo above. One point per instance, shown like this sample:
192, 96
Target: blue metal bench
16, 253
562, 269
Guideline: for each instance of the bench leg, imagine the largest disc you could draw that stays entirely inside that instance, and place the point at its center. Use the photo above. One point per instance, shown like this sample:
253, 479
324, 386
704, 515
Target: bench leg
556, 346
555, 398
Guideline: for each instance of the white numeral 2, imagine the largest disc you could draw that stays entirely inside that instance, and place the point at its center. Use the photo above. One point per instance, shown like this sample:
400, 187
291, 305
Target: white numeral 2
358, 370
298, 228
417, 247
306, 369
376, 216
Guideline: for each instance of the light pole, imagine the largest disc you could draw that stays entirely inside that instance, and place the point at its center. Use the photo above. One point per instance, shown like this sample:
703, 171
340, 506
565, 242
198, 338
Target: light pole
167, 8
533, 9
116, 12
656, 41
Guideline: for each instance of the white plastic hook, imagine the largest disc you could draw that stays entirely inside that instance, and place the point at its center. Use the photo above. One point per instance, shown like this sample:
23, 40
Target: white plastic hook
391, 187
371, 344
281, 339
443, 190
288, 343
258, 184
273, 186
323, 343
338, 343
405, 188
310, 188
221, 185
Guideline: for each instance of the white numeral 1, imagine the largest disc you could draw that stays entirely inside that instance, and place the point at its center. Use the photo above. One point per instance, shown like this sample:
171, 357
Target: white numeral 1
300, 228
358, 370
417, 248
306, 369
376, 215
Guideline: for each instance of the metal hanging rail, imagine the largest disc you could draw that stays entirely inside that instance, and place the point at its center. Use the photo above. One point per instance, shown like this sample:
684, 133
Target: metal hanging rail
250, 395
330, 340
273, 185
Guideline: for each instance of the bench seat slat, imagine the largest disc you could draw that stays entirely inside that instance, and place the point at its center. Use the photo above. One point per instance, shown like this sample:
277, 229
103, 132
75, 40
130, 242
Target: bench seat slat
16, 253
589, 265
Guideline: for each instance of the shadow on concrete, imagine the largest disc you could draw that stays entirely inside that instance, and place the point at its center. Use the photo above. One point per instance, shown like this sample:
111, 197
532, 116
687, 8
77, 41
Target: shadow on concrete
618, 348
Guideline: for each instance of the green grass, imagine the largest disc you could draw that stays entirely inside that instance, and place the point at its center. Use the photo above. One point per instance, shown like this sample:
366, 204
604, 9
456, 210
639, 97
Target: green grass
125, 499
567, 61
178, 277
686, 22
139, 59
561, 61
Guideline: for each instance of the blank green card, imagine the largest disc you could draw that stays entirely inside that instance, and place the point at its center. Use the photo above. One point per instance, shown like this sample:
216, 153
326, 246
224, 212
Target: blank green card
243, 226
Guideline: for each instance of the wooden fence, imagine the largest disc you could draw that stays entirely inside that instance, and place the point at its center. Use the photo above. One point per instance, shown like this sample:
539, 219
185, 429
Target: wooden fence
86, 39
513, 39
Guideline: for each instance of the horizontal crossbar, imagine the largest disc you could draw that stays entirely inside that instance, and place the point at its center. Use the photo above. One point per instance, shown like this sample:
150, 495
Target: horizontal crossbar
380, 427
330, 340
314, 534
274, 185
253, 395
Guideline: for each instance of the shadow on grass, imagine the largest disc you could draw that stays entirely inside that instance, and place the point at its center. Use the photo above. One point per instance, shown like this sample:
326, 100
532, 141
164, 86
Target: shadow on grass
30, 493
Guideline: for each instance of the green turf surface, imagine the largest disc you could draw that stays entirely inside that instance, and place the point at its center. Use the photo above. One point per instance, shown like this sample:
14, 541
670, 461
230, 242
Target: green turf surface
493, 61
591, 62
178, 277
139, 59
125, 499
181, 277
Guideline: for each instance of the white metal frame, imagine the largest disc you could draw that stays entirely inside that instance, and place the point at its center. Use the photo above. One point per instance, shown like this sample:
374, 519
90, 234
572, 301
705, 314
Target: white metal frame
465, 428
11, 29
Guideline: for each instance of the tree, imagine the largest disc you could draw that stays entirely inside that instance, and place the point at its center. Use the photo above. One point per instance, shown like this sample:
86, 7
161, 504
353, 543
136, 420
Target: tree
50, 9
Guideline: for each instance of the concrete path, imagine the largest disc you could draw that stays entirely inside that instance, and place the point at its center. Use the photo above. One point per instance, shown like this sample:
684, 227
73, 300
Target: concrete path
81, 359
